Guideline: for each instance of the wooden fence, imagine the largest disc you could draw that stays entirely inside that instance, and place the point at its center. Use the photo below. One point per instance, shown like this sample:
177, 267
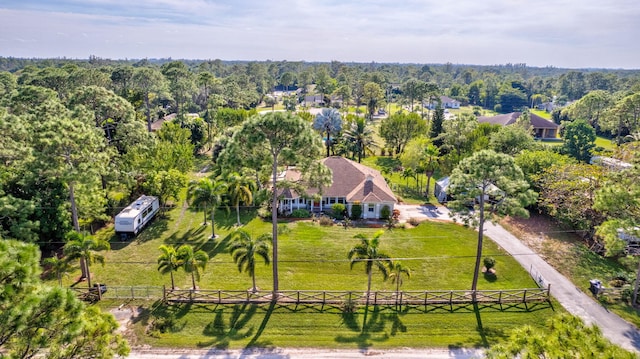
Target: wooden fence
450, 297
120, 293
317, 297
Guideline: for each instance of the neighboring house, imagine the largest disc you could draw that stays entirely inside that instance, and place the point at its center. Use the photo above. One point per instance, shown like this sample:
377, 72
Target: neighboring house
610, 163
313, 100
353, 183
448, 102
542, 128
156, 125
546, 106
445, 102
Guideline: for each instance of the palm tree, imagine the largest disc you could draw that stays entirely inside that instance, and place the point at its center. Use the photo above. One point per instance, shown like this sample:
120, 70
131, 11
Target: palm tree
367, 251
83, 247
360, 136
244, 250
168, 262
239, 189
192, 261
208, 194
396, 270
58, 265
328, 121
431, 153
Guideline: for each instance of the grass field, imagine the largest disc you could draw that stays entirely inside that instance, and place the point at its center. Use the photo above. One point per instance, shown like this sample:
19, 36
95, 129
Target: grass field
440, 256
311, 256
273, 326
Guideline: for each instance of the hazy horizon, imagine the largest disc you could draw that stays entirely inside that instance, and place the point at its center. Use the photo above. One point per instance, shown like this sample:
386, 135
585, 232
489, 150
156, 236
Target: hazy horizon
563, 34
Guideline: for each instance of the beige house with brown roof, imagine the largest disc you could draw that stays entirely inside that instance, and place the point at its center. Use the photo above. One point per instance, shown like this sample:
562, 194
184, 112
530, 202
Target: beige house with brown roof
542, 128
352, 183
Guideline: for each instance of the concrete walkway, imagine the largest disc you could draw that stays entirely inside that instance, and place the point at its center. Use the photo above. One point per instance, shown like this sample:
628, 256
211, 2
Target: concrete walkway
572, 298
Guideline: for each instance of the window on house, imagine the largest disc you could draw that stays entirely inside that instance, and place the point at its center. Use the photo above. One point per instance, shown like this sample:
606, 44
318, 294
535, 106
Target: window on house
371, 208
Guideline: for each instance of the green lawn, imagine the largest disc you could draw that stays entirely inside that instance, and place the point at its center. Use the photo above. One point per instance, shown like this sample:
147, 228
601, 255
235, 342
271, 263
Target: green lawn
605, 143
312, 257
271, 326
541, 113
440, 255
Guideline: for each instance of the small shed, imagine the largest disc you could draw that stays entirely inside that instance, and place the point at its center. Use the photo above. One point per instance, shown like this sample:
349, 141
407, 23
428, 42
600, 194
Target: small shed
440, 191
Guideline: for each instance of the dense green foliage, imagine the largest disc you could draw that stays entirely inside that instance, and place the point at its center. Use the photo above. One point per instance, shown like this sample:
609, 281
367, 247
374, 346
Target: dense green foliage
51, 322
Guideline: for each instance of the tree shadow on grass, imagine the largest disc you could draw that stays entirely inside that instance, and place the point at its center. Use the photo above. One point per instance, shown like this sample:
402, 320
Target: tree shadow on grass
229, 324
373, 327
194, 236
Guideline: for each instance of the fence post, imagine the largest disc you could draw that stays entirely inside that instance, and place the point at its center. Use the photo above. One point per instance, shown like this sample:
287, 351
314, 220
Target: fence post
500, 298
132, 296
548, 291
524, 296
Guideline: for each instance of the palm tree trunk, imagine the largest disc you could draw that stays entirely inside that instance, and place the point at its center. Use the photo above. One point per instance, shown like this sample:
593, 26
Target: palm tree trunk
204, 215
429, 174
193, 280
369, 286
253, 279
213, 223
173, 285
86, 263
328, 144
238, 213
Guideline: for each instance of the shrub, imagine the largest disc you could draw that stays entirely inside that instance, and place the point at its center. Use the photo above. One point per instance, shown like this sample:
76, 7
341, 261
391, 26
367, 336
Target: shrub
338, 210
489, 262
325, 221
283, 228
385, 212
264, 211
300, 213
161, 325
356, 211
617, 283
413, 221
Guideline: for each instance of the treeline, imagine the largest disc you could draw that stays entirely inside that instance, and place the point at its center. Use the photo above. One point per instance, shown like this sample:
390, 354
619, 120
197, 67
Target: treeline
83, 136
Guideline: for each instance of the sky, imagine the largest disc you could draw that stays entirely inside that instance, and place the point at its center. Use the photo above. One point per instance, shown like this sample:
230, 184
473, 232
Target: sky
559, 33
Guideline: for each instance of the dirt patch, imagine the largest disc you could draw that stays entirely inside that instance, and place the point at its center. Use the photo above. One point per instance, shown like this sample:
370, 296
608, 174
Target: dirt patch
544, 236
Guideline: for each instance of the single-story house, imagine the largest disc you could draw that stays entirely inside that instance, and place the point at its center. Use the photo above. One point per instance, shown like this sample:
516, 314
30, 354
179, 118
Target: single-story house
353, 183
542, 128
314, 100
445, 102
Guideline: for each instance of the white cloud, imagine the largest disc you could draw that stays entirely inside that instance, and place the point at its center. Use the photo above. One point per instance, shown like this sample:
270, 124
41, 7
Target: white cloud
561, 33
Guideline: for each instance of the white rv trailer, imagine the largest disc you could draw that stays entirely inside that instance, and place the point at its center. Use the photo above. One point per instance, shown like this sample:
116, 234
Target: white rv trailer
132, 219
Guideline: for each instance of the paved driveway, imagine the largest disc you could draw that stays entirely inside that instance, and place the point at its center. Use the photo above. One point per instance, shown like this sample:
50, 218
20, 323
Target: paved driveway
574, 300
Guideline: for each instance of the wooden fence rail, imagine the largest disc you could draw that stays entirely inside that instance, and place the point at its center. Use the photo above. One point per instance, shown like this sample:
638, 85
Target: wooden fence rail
120, 293
318, 297
440, 297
